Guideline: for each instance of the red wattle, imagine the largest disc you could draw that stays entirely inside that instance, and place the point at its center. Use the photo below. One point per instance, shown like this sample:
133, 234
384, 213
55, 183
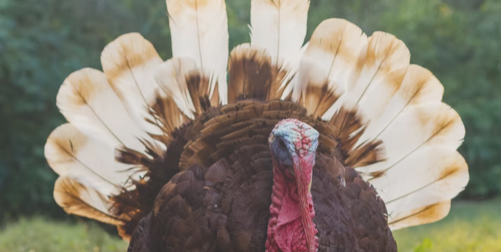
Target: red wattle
286, 232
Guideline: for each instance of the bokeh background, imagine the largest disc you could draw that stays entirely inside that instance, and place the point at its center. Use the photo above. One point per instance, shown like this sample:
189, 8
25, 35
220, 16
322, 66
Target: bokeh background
43, 41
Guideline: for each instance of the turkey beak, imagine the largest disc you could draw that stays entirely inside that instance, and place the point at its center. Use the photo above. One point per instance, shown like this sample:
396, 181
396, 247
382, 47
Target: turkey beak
303, 167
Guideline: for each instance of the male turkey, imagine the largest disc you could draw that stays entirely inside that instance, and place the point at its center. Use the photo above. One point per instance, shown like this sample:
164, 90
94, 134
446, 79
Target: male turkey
327, 146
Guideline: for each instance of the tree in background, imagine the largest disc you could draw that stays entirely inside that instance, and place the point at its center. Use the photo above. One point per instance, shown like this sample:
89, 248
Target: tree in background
43, 41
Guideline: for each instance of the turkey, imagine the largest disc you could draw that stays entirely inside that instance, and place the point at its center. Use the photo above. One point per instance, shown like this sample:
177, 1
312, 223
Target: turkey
321, 146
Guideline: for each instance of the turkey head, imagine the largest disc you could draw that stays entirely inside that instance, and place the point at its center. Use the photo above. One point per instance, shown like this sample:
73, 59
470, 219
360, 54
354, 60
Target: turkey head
293, 145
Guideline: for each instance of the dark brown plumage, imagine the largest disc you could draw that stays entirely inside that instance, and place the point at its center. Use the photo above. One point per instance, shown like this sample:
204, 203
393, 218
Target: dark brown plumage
220, 201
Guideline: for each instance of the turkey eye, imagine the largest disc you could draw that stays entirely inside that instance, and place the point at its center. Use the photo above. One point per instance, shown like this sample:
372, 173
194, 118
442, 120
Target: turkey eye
281, 144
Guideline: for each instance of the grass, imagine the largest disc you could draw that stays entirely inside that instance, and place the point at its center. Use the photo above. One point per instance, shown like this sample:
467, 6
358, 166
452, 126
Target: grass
470, 227
40, 235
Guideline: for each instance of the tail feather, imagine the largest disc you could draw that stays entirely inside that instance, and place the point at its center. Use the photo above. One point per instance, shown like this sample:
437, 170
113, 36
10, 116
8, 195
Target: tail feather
168, 117
279, 26
71, 153
382, 66
419, 86
171, 77
200, 31
88, 102
291, 78
420, 216
253, 75
76, 198
418, 127
198, 84
444, 176
88, 174
129, 64
333, 52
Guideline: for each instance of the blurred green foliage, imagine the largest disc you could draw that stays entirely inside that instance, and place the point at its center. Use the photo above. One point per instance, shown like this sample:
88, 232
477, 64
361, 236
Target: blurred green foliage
43, 41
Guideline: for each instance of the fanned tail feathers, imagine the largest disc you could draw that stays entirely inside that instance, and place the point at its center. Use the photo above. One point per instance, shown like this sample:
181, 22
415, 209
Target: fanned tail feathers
399, 135
386, 114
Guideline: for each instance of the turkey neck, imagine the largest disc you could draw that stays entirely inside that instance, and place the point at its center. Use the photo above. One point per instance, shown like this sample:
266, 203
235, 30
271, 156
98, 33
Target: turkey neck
291, 226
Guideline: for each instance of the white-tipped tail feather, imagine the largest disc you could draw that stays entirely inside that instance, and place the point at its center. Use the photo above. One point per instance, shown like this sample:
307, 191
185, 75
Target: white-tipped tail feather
421, 215
87, 159
279, 26
76, 198
333, 52
129, 64
88, 102
199, 31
